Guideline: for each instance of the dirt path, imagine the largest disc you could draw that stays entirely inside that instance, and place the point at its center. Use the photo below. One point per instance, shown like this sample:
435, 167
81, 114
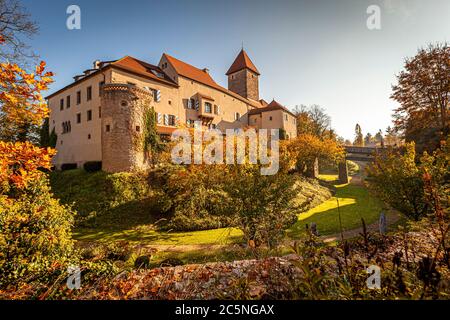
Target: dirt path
391, 218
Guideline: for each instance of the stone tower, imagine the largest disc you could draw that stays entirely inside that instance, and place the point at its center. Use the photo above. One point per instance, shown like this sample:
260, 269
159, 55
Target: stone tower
123, 110
243, 77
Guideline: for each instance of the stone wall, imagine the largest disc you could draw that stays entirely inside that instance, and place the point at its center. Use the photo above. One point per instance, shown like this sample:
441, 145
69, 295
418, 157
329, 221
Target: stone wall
123, 108
245, 83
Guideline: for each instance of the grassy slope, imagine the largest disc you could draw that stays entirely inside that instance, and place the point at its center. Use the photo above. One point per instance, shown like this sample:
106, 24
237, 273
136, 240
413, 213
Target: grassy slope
355, 203
115, 208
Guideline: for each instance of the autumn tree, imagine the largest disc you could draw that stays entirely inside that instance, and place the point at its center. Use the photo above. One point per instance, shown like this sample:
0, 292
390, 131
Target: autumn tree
359, 139
16, 26
35, 228
368, 139
302, 153
313, 120
423, 92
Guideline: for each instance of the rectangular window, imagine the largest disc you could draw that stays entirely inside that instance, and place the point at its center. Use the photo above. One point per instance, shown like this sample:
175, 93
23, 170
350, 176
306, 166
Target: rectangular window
78, 117
68, 102
61, 104
78, 97
99, 112
108, 128
89, 115
208, 107
172, 120
89, 93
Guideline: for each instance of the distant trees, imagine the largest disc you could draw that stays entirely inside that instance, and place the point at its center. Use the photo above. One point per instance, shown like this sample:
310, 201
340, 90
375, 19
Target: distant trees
313, 120
359, 140
368, 139
423, 92
301, 153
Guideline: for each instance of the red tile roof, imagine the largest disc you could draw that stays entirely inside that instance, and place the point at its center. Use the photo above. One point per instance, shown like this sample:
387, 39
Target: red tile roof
242, 61
189, 71
142, 68
271, 107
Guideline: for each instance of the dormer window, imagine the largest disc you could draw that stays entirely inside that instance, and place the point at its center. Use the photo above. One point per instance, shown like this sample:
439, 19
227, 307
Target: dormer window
156, 73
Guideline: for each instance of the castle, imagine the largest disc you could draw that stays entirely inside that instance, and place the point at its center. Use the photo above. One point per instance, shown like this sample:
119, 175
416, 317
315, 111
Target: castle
100, 116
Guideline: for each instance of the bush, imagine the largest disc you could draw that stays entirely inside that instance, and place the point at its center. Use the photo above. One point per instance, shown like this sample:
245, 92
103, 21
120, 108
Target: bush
35, 233
413, 187
68, 166
92, 166
265, 205
353, 167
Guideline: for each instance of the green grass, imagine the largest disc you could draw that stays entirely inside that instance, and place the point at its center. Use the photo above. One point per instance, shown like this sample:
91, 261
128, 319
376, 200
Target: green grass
146, 234
355, 202
115, 207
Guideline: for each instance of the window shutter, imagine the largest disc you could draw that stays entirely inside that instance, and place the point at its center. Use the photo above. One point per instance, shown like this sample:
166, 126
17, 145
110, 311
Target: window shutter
197, 105
189, 104
176, 120
218, 109
157, 95
166, 119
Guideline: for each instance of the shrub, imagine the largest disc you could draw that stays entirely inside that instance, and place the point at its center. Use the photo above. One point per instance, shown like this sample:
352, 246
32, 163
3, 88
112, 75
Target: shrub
265, 205
68, 166
92, 166
35, 233
353, 167
413, 187
194, 195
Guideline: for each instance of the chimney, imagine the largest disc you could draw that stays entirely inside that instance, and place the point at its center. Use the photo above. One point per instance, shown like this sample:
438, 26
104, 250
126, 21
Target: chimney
206, 70
97, 64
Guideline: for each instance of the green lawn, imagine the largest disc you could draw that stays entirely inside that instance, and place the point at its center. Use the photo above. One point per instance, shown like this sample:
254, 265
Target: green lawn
355, 203
146, 234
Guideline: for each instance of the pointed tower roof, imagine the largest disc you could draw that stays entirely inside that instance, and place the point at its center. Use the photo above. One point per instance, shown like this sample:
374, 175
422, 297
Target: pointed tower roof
242, 61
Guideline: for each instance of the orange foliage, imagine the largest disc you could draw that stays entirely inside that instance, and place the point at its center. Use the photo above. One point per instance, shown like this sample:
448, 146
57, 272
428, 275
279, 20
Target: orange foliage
19, 163
20, 93
21, 103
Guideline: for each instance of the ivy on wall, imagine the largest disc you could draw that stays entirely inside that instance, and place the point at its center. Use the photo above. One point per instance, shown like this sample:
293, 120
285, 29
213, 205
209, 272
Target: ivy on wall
152, 144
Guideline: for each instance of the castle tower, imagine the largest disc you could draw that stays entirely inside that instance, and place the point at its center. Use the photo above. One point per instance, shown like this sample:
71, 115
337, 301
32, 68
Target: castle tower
243, 77
123, 111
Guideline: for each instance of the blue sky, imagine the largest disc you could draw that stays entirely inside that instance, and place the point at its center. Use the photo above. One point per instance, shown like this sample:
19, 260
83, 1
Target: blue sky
308, 52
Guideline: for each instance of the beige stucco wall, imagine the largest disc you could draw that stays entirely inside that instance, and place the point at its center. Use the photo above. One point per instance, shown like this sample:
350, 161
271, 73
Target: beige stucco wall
290, 125
275, 119
75, 147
